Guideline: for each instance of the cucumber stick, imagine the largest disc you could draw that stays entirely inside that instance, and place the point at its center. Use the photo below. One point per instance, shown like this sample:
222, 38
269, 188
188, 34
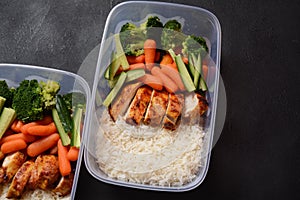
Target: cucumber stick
135, 74
185, 76
2, 102
120, 55
8, 115
77, 120
113, 93
64, 114
198, 65
65, 139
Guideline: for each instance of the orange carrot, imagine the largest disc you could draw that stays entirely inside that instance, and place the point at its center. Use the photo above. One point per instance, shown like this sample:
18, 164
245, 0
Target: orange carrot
14, 124
45, 121
167, 59
42, 130
42, 145
152, 81
137, 66
26, 138
150, 52
63, 162
53, 150
73, 153
204, 71
173, 75
136, 59
167, 82
13, 145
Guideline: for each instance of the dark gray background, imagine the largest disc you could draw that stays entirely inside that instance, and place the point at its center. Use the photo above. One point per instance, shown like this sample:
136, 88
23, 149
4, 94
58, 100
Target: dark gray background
257, 155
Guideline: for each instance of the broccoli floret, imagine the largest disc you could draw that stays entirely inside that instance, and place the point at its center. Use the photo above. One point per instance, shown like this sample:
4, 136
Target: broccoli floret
152, 21
7, 93
172, 36
132, 39
27, 101
49, 91
194, 45
173, 24
152, 28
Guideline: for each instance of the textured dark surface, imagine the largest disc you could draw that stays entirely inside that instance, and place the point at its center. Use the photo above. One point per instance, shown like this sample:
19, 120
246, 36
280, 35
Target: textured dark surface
258, 154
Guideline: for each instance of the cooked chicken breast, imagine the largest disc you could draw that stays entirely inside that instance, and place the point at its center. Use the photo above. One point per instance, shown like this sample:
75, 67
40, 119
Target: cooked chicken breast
45, 172
138, 106
194, 108
11, 165
121, 103
2, 175
157, 108
64, 186
20, 180
174, 109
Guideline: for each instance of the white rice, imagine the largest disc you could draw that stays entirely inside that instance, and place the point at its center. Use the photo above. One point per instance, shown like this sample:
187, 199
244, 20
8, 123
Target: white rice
146, 155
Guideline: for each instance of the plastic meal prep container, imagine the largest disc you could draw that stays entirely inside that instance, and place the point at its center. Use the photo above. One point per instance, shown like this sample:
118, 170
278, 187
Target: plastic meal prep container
196, 21
13, 74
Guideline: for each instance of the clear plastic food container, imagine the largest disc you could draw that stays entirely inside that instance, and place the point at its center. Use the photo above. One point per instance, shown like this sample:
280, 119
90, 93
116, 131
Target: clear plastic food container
13, 74
137, 155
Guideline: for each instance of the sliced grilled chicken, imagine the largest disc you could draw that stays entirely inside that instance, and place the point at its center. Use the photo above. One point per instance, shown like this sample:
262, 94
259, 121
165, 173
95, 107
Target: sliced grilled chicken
45, 172
64, 186
2, 175
11, 165
20, 180
194, 108
174, 109
157, 108
138, 106
121, 103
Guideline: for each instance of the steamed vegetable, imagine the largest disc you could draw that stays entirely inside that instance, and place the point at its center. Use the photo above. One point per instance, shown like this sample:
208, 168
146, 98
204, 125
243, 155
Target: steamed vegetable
152, 28
132, 39
49, 90
6, 93
172, 36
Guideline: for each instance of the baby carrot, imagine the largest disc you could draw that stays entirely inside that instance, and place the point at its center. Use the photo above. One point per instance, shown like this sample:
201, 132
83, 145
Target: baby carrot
63, 162
53, 150
152, 81
26, 138
12, 146
42, 130
167, 82
136, 59
17, 125
137, 66
166, 59
42, 145
174, 75
204, 71
73, 154
150, 52
45, 121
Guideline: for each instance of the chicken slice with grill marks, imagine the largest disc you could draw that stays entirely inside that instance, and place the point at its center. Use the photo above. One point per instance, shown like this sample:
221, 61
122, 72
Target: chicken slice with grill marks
194, 109
157, 108
11, 165
44, 173
64, 186
173, 112
121, 103
20, 180
138, 106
